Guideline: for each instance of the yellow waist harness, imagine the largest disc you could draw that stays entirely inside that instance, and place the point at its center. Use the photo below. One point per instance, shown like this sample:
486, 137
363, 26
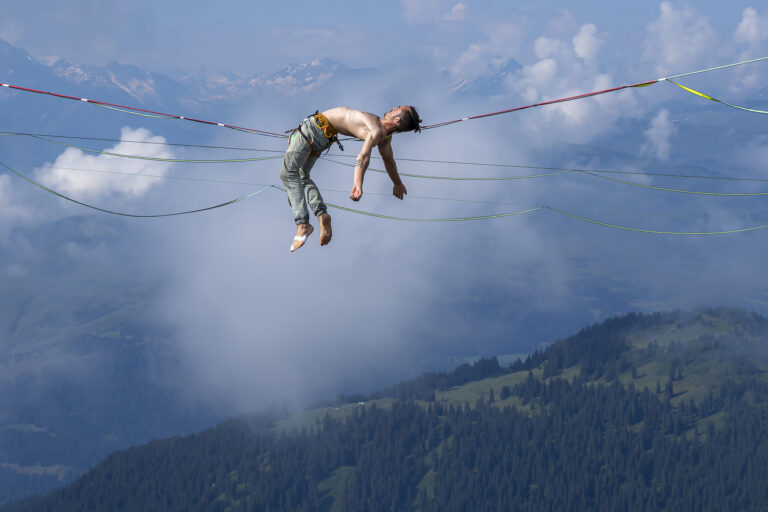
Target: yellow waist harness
324, 124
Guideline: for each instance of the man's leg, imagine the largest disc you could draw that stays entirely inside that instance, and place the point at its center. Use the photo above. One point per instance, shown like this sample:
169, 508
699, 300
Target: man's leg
315, 200
290, 174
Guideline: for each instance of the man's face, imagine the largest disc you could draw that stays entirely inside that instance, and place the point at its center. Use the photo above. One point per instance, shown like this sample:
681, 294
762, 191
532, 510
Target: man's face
395, 112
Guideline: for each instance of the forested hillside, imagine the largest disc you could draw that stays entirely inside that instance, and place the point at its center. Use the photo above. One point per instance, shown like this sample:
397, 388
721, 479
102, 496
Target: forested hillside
641, 412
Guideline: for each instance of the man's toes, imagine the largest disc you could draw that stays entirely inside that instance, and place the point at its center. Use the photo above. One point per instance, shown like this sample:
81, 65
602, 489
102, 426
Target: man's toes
297, 244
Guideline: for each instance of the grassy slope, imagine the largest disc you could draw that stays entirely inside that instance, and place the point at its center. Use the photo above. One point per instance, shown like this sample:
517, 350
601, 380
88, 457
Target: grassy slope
695, 347
685, 343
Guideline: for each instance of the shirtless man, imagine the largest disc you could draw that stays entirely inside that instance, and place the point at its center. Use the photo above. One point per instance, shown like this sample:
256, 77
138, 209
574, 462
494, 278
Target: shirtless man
314, 135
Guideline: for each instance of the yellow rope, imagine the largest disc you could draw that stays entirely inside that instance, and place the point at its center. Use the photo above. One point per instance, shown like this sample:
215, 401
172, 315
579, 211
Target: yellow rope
706, 96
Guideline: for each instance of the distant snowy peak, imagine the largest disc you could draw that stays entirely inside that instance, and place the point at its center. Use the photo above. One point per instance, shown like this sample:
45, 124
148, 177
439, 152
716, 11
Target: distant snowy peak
299, 78
115, 81
132, 80
66, 70
205, 85
291, 80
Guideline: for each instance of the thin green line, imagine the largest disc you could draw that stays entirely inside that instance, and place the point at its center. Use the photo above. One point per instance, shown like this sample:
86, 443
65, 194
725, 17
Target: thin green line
132, 113
652, 231
411, 219
431, 177
158, 159
676, 190
173, 214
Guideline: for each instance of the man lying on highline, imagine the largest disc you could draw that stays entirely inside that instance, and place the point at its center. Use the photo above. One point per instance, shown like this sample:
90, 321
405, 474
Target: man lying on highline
314, 135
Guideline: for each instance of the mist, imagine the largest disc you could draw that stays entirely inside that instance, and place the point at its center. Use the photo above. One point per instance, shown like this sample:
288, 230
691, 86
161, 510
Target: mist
252, 326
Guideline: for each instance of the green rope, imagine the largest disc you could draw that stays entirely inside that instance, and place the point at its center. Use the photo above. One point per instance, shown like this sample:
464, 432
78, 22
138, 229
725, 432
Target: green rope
430, 177
564, 169
593, 173
677, 190
708, 97
158, 159
410, 219
653, 231
105, 139
144, 175
51, 191
130, 112
251, 183
390, 217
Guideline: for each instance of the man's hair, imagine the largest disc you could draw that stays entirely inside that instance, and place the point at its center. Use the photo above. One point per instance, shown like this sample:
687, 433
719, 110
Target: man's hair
409, 120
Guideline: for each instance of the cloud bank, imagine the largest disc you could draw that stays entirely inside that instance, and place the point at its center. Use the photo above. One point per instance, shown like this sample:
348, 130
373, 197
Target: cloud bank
90, 177
658, 136
256, 325
680, 38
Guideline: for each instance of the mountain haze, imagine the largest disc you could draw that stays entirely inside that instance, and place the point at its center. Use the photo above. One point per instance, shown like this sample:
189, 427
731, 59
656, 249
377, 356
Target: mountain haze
86, 364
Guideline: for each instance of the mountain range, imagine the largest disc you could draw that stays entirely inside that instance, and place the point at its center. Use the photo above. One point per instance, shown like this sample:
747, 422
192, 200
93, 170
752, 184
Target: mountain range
116, 80
665, 411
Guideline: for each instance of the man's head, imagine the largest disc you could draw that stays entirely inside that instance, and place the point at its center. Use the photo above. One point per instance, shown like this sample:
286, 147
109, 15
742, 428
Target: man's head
406, 118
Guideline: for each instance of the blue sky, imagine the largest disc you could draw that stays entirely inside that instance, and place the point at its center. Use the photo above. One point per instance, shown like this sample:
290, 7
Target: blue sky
383, 294
257, 36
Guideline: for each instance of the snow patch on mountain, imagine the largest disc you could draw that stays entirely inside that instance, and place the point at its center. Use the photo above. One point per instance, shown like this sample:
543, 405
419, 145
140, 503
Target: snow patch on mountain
299, 78
175, 88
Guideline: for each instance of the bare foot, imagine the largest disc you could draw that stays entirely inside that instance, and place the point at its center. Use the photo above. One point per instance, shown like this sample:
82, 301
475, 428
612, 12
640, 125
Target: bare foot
302, 232
325, 228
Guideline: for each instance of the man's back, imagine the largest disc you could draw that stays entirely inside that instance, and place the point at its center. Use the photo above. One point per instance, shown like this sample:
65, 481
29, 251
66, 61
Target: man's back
355, 123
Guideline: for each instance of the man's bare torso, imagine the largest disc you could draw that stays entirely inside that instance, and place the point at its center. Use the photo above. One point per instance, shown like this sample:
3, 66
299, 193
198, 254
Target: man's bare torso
356, 123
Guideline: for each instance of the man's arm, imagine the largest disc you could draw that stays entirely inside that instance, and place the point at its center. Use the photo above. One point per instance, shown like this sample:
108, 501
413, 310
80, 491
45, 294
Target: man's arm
361, 164
385, 150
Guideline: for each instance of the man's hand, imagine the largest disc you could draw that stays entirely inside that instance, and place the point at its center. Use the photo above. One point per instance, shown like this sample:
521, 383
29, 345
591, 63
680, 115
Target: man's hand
399, 190
357, 193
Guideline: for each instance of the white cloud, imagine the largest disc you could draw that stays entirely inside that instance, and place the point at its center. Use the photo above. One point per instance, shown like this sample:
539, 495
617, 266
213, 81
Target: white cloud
13, 211
534, 77
586, 44
752, 155
5, 192
658, 136
752, 31
557, 56
679, 39
503, 43
421, 11
458, 12
63, 175
429, 11
753, 28
569, 67
547, 47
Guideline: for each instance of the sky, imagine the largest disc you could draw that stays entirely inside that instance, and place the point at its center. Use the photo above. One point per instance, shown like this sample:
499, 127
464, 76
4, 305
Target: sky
388, 298
248, 37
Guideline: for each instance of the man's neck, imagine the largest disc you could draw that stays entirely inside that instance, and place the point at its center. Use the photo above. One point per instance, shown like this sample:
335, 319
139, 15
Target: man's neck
390, 127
